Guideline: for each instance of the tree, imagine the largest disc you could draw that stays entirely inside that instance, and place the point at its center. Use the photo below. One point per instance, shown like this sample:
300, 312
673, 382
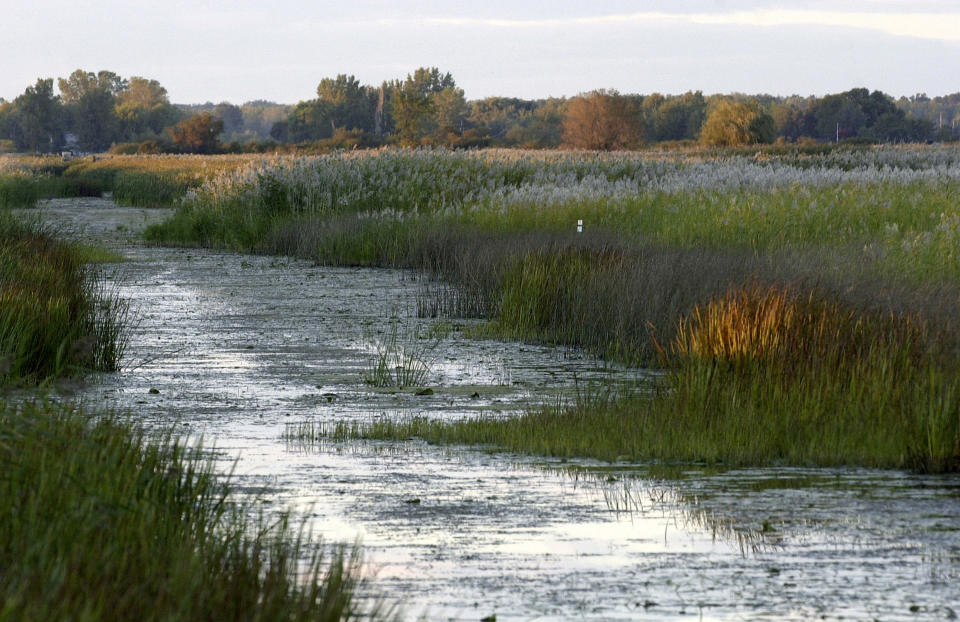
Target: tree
309, 120
838, 117
789, 119
679, 118
449, 110
602, 120
80, 83
34, 123
731, 123
143, 109
260, 116
198, 134
232, 117
411, 111
427, 80
542, 128
423, 103
498, 115
351, 105
90, 99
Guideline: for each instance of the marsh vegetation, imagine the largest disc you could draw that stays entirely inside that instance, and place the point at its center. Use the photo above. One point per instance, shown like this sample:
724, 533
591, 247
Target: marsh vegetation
102, 520
792, 308
800, 302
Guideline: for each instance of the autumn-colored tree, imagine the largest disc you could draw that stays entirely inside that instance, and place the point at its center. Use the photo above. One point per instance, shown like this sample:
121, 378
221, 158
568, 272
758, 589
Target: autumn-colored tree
198, 134
602, 120
731, 123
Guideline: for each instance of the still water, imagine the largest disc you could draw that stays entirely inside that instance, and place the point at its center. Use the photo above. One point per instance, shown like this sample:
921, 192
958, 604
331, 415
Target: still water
239, 348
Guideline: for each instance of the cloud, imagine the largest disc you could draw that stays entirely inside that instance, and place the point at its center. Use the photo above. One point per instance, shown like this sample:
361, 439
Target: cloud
938, 26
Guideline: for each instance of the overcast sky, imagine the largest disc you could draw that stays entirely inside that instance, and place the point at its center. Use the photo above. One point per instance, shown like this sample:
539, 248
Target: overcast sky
280, 49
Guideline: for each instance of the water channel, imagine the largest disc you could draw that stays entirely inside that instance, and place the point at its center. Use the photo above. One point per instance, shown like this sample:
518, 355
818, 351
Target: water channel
236, 348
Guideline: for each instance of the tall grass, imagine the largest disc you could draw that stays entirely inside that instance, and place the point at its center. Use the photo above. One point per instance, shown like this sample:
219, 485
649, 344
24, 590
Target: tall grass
151, 180
142, 181
681, 257
56, 316
101, 522
26, 180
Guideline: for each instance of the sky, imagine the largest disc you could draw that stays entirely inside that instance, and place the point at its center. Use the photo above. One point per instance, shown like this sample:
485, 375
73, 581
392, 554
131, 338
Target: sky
279, 50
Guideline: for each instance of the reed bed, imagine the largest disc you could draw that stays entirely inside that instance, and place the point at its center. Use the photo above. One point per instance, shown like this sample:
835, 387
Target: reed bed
24, 183
102, 522
141, 181
152, 180
56, 316
678, 252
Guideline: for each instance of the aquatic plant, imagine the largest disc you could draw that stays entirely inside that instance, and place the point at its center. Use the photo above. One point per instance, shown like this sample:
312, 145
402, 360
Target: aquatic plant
871, 234
400, 362
101, 521
56, 316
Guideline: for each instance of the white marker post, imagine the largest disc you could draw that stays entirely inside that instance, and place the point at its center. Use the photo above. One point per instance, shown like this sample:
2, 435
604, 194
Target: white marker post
579, 226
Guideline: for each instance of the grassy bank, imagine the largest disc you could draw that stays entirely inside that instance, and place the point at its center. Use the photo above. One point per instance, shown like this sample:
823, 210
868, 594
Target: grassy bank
56, 316
674, 249
756, 376
101, 522
140, 181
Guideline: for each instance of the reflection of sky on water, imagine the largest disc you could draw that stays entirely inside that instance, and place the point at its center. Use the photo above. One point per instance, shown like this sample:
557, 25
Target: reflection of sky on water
239, 347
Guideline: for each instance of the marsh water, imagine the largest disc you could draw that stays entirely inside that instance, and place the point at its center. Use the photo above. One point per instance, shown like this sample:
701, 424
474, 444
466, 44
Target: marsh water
240, 350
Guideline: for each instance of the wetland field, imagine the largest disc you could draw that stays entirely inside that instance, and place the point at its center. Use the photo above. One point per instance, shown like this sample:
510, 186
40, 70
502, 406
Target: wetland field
484, 385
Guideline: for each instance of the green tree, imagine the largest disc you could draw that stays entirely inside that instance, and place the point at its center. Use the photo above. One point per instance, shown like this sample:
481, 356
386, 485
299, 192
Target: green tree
422, 103
80, 83
679, 118
34, 123
411, 112
144, 110
733, 123
789, 119
309, 120
496, 116
602, 120
259, 116
449, 114
542, 128
427, 80
90, 100
198, 134
351, 105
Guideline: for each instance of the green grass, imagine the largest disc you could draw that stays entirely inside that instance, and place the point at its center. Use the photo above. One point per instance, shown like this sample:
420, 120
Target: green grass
870, 238
56, 316
102, 522
140, 181
757, 376
401, 361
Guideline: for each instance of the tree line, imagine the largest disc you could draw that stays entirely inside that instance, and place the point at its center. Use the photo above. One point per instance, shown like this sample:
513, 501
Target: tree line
94, 112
